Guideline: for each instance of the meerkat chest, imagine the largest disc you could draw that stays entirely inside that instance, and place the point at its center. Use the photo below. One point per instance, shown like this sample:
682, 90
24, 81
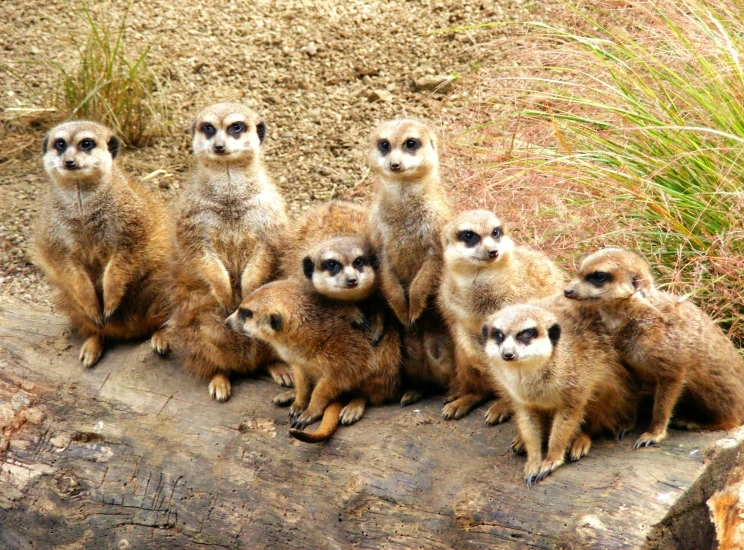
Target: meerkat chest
407, 236
471, 297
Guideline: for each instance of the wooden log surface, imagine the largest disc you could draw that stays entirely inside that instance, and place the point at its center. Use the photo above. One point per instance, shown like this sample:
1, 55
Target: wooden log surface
135, 454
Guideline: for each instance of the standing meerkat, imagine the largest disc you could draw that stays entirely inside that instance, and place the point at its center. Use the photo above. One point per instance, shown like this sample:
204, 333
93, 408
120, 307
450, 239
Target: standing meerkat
409, 210
230, 227
102, 241
331, 357
668, 341
483, 272
564, 377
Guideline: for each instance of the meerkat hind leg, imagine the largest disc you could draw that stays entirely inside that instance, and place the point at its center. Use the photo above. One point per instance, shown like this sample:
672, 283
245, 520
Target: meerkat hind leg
160, 342
411, 397
220, 388
580, 447
461, 406
92, 350
284, 399
499, 412
353, 411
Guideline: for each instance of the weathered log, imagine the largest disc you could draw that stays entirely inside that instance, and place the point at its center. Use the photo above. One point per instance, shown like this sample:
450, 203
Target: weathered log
134, 454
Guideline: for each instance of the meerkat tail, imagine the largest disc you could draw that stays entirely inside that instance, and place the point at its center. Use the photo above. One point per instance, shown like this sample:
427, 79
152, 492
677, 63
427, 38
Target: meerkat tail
327, 426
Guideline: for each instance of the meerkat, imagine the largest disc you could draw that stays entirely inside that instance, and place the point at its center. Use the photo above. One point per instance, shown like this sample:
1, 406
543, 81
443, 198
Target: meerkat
564, 377
102, 241
408, 212
667, 341
484, 271
331, 357
230, 227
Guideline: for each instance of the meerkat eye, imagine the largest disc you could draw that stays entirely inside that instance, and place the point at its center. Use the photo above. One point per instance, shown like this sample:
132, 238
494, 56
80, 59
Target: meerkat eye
207, 129
496, 233
598, 278
527, 335
87, 144
497, 335
60, 145
236, 128
360, 262
412, 144
332, 266
245, 314
384, 146
470, 238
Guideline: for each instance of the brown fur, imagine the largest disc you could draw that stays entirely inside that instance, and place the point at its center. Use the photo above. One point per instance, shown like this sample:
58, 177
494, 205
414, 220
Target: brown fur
103, 242
566, 383
332, 359
475, 285
409, 210
669, 342
229, 231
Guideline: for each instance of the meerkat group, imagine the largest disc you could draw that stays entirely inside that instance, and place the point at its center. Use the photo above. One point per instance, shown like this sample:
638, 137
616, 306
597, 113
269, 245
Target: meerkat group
352, 306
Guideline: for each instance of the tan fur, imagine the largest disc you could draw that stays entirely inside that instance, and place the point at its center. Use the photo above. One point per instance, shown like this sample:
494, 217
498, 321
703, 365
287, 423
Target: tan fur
406, 218
565, 381
102, 241
668, 341
229, 229
332, 358
475, 285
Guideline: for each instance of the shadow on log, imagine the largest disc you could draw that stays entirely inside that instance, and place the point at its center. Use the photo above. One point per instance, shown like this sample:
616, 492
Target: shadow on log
134, 454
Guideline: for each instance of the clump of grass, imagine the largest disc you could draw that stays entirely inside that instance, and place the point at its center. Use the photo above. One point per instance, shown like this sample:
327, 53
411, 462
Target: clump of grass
643, 118
111, 85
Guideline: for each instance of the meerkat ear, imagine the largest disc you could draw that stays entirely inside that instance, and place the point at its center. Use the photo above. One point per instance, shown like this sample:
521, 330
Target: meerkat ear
113, 146
261, 131
308, 267
275, 320
554, 333
636, 282
374, 262
45, 145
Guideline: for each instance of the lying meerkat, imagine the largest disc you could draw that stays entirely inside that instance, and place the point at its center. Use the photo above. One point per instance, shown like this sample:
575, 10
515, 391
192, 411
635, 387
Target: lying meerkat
564, 377
668, 341
102, 242
332, 359
408, 212
483, 272
229, 230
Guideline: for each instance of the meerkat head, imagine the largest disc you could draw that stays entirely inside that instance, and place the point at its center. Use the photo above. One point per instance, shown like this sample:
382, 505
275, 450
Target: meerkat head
341, 268
79, 152
403, 150
476, 239
228, 133
520, 336
266, 313
610, 274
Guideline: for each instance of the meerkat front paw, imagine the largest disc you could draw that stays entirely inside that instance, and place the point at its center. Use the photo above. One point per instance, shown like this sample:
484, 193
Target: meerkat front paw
457, 409
160, 342
580, 447
220, 388
410, 397
92, 350
285, 398
518, 446
546, 468
498, 412
304, 419
531, 469
352, 412
280, 374
296, 409
649, 438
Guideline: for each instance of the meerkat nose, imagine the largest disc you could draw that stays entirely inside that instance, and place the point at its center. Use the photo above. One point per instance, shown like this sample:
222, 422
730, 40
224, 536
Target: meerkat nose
70, 164
352, 282
568, 293
509, 356
493, 253
219, 149
395, 166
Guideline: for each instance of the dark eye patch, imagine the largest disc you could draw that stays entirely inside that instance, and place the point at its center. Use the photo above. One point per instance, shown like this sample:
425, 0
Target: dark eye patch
598, 278
276, 321
412, 144
497, 335
470, 238
332, 266
244, 313
360, 262
527, 335
236, 128
207, 129
60, 145
383, 146
87, 144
